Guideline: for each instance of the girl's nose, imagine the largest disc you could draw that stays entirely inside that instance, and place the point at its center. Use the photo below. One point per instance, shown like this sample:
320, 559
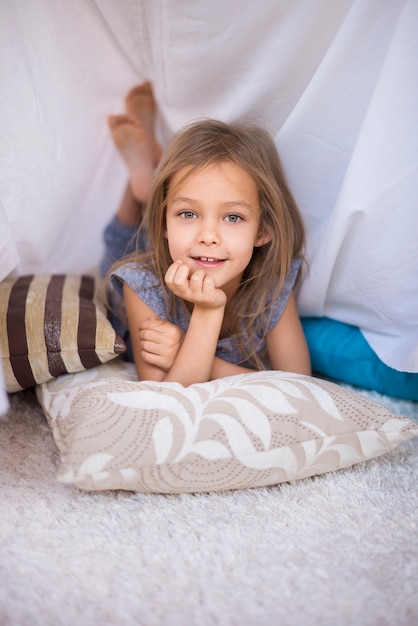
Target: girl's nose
209, 233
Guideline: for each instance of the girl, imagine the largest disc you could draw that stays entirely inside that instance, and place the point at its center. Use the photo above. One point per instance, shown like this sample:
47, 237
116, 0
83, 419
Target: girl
214, 294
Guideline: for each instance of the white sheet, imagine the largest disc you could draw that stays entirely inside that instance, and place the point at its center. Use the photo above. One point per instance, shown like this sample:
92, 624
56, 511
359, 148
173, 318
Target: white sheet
335, 82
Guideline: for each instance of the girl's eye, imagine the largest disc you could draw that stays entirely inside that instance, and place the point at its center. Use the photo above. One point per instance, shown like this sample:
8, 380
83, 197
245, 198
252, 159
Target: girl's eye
187, 215
233, 218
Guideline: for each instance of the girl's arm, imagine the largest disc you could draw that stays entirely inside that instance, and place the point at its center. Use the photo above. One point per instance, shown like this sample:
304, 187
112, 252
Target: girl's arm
286, 347
221, 368
138, 315
194, 360
191, 359
286, 343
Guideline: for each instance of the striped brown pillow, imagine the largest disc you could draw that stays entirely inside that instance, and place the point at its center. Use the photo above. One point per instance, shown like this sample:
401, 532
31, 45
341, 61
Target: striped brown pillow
51, 324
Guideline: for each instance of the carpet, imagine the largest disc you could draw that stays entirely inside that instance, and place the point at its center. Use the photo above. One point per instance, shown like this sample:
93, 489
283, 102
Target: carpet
337, 549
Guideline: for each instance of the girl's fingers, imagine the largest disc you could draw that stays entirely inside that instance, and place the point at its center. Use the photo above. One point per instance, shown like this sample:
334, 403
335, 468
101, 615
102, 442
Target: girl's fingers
208, 286
198, 287
177, 274
181, 276
196, 282
171, 272
150, 347
180, 281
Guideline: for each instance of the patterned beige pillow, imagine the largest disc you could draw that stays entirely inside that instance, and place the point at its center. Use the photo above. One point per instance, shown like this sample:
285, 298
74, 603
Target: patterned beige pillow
51, 324
256, 429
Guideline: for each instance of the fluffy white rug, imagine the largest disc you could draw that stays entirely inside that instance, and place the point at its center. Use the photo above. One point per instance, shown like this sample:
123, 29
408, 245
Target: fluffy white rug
339, 549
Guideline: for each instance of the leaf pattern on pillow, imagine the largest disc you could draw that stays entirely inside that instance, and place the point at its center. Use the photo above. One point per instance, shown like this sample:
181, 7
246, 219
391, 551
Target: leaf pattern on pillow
248, 430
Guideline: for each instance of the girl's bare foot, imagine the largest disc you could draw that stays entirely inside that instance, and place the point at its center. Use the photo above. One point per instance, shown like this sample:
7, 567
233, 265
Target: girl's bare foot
133, 134
140, 104
133, 141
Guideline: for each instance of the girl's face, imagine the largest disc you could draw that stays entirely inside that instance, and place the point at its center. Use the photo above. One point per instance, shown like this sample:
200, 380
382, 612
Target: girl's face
213, 222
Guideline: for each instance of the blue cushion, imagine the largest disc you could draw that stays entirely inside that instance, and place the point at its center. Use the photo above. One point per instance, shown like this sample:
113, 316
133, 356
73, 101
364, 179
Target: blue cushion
339, 351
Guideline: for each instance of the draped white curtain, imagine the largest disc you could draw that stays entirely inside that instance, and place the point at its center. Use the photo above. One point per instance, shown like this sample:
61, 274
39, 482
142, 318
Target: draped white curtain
335, 81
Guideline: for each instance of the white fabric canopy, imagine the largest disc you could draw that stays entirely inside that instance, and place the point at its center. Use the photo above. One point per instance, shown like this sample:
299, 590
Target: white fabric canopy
336, 82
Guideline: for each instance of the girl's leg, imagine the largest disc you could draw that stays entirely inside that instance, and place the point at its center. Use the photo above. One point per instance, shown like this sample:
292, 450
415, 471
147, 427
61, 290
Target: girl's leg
133, 135
130, 209
120, 235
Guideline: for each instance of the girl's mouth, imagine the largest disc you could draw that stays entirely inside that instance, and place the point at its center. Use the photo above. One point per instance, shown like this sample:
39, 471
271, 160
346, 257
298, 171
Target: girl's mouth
208, 261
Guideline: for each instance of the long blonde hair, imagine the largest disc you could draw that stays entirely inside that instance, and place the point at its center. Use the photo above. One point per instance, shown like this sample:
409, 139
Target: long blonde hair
252, 149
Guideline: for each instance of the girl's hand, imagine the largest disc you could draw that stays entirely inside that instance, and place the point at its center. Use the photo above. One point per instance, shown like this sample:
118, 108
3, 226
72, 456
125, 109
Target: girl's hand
160, 342
197, 287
